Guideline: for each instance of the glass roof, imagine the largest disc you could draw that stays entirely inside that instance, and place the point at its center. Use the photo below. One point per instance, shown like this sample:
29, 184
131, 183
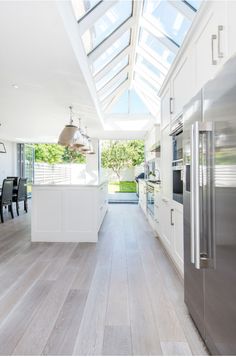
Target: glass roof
132, 44
106, 24
111, 52
113, 72
108, 91
82, 7
168, 19
129, 103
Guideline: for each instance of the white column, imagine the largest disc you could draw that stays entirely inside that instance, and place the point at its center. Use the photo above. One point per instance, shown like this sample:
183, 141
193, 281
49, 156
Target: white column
92, 164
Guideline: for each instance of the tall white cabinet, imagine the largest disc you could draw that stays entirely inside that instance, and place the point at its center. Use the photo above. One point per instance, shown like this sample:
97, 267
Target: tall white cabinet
209, 44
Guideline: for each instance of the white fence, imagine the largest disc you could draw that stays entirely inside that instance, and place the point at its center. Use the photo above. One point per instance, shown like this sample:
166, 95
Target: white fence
59, 173
126, 174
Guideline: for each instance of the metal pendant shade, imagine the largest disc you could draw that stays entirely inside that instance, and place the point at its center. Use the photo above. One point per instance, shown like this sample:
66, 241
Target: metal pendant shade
74, 137
68, 135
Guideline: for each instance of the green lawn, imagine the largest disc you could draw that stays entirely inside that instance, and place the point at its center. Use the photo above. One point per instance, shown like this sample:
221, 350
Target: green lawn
122, 186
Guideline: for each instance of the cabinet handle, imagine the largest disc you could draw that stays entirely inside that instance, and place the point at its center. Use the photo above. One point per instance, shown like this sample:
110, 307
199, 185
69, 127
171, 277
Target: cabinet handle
171, 101
171, 216
213, 61
220, 53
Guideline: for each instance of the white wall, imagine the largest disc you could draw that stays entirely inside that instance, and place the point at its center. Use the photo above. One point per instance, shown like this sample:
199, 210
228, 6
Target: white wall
8, 160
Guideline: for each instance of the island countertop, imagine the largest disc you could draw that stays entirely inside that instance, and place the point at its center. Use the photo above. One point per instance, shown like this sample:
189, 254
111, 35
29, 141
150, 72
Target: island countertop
68, 212
70, 184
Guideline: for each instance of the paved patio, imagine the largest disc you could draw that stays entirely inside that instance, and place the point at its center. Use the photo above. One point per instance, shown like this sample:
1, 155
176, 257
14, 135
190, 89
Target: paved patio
123, 198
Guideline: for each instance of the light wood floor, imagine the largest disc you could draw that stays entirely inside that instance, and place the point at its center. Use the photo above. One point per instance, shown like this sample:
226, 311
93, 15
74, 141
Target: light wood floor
120, 296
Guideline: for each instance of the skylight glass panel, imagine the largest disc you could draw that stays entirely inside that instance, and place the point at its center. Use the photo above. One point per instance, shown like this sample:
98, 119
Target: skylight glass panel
82, 7
118, 46
113, 87
143, 62
129, 103
122, 105
108, 23
168, 19
114, 71
142, 78
155, 45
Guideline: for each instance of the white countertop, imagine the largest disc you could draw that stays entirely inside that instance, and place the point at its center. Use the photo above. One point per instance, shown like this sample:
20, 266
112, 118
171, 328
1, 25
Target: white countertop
70, 185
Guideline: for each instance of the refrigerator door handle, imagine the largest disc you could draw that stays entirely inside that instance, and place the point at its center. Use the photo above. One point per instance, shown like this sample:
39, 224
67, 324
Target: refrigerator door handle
196, 203
202, 256
192, 196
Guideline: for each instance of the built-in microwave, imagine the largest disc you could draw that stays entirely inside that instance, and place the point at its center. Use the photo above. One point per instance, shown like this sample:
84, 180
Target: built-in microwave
177, 159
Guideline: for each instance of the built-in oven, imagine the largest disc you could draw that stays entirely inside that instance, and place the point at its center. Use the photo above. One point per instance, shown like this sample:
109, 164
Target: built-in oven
177, 171
150, 199
177, 159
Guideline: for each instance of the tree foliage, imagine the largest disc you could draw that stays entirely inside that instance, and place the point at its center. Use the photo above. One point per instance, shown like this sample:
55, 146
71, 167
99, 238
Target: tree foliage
117, 154
56, 154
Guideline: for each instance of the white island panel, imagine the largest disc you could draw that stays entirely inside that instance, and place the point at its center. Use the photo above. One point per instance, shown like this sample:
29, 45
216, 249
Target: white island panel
68, 213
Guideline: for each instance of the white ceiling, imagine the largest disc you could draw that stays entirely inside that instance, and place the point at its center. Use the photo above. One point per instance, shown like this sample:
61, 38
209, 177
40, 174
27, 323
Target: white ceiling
41, 53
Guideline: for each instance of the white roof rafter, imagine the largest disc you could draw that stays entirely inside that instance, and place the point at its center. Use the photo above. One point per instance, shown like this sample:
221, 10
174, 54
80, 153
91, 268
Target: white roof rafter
89, 19
116, 78
151, 77
152, 27
183, 8
137, 12
114, 96
112, 64
100, 49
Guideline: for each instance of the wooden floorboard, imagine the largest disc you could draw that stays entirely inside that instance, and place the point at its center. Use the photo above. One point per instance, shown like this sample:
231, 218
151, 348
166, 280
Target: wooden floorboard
121, 296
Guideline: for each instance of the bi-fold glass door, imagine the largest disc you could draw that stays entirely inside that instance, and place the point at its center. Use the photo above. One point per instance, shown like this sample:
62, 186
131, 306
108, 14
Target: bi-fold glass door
25, 163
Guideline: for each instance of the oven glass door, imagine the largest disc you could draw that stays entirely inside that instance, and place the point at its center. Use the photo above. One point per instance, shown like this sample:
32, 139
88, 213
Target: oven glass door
178, 146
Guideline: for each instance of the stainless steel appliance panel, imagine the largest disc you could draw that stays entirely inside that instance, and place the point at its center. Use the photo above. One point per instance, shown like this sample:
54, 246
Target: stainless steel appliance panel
193, 278
219, 112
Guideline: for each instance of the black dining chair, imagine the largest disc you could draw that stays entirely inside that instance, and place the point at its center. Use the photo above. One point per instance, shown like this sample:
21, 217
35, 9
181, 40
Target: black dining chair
21, 194
6, 197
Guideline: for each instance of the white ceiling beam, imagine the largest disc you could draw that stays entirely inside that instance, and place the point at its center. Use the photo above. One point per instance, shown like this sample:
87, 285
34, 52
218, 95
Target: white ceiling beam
100, 49
137, 13
112, 64
110, 101
152, 27
183, 8
95, 14
145, 51
147, 73
113, 81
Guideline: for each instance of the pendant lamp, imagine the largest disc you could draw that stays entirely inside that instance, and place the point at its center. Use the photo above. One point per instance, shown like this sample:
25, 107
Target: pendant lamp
69, 134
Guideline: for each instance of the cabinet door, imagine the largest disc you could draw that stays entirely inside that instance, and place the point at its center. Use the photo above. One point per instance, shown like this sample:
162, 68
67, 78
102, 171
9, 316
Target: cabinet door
183, 83
177, 231
165, 224
166, 108
211, 43
166, 159
231, 16
157, 212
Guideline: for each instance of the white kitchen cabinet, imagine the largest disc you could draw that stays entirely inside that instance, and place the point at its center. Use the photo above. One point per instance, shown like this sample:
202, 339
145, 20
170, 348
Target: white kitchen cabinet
166, 107
177, 235
211, 43
165, 226
157, 211
231, 26
183, 83
166, 160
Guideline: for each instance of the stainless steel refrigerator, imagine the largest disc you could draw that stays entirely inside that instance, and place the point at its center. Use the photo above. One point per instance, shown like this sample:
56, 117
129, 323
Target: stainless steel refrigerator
209, 142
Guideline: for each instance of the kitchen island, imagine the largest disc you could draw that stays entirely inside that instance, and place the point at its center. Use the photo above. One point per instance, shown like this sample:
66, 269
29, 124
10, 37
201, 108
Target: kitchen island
68, 213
